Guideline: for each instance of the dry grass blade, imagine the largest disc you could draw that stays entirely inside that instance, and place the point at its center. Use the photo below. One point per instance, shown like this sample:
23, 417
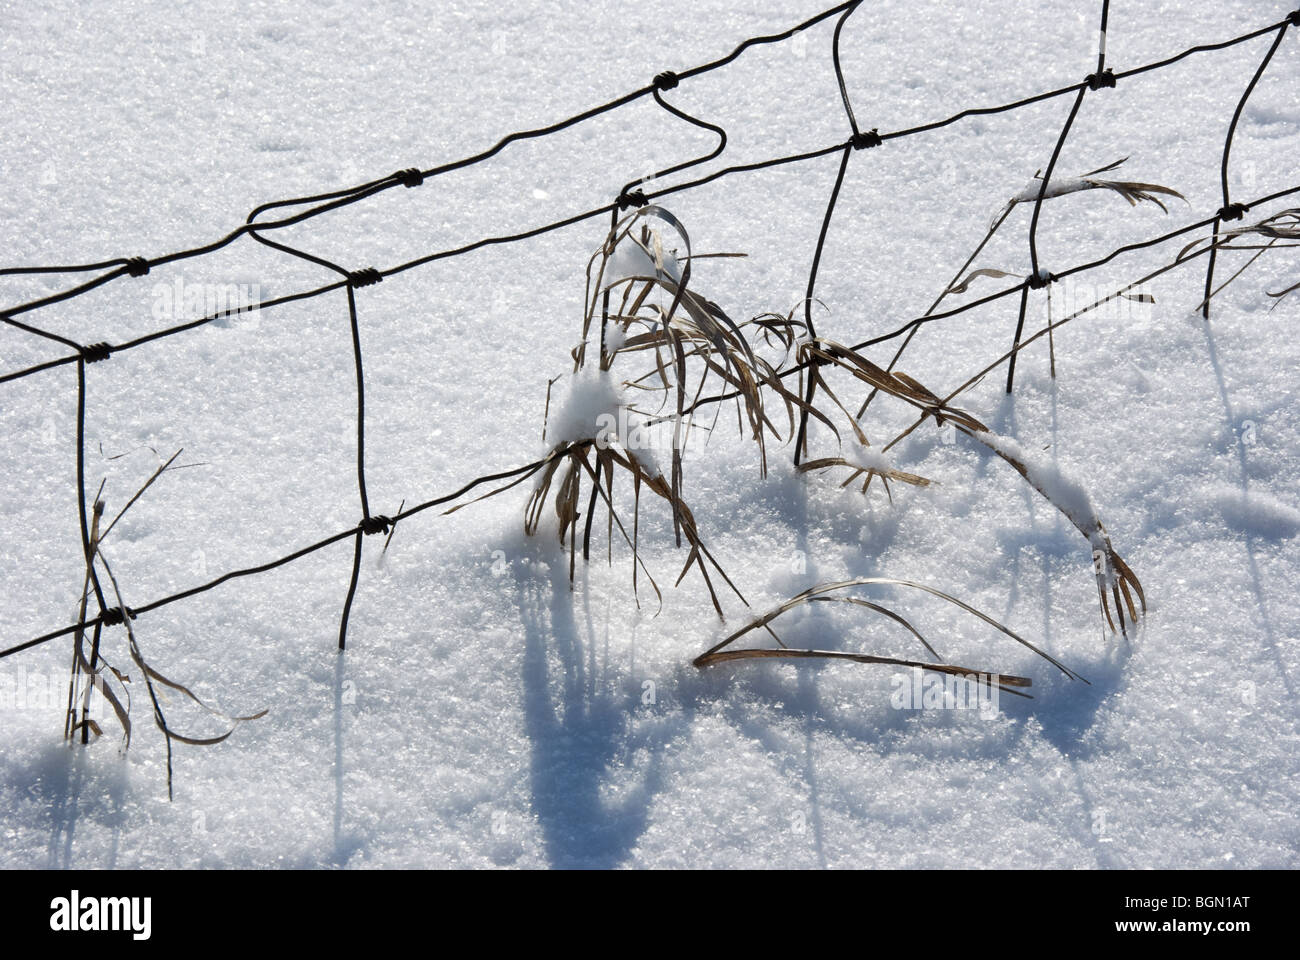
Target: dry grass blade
859, 470
1131, 190
884, 611
1282, 293
996, 225
974, 275
93, 672
1007, 683
1115, 579
719, 652
1283, 225
139, 493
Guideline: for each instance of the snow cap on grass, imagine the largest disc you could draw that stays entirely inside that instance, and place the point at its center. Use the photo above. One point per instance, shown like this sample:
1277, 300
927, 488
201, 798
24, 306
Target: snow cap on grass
1115, 579
615, 337
1065, 492
872, 458
591, 406
632, 260
1131, 190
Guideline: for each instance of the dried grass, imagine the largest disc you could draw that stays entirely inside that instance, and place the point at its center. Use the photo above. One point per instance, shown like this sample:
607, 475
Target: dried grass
1115, 579
97, 674
827, 593
1131, 190
682, 346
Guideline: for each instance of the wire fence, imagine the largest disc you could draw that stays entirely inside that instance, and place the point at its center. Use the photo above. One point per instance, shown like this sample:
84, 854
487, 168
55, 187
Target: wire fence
632, 195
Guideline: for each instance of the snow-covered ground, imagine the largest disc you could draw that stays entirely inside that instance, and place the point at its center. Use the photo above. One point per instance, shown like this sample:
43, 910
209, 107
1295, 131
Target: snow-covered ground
484, 713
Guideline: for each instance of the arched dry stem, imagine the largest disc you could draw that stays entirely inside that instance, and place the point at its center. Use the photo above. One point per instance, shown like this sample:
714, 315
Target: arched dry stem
829, 592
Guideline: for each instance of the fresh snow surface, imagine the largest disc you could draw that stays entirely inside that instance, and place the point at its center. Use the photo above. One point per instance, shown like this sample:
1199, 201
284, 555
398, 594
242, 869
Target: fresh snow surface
485, 712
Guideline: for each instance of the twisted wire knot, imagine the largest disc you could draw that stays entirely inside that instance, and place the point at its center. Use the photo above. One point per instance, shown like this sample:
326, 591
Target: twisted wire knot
95, 352
376, 524
1040, 279
137, 266
1294, 17
410, 177
864, 141
633, 198
1233, 211
365, 278
1104, 79
116, 616
665, 81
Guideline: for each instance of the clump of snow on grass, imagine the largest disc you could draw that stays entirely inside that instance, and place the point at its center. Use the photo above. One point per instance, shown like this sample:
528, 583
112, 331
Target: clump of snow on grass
631, 260
1065, 492
1058, 187
870, 458
589, 407
615, 337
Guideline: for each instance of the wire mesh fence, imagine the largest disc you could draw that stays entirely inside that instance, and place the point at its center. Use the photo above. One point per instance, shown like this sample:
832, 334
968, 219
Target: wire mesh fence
264, 223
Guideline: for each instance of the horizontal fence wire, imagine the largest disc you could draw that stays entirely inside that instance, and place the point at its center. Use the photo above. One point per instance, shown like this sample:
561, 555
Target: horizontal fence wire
633, 195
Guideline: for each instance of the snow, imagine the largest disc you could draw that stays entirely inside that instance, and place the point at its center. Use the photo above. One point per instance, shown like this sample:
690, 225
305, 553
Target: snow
632, 260
489, 713
1256, 513
871, 458
1058, 187
1065, 492
589, 407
